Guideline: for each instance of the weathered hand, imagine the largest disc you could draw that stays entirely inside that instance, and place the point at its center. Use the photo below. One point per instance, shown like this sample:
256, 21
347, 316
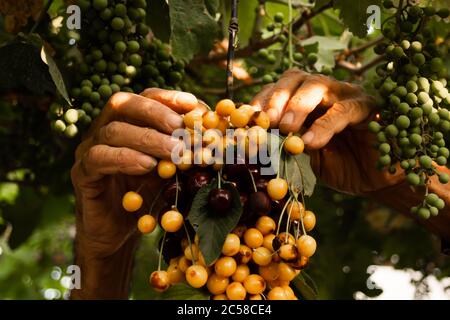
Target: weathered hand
118, 155
333, 116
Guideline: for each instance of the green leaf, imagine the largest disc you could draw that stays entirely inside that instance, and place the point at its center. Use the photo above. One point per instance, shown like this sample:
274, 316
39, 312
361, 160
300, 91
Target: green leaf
320, 3
304, 285
55, 74
212, 6
354, 14
183, 291
212, 228
158, 19
299, 172
326, 47
193, 29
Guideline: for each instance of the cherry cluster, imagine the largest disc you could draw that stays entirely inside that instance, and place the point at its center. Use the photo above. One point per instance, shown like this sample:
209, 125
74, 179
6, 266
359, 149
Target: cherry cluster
267, 247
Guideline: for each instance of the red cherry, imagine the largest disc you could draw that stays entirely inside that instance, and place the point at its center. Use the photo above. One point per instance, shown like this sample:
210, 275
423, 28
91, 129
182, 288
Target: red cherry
219, 200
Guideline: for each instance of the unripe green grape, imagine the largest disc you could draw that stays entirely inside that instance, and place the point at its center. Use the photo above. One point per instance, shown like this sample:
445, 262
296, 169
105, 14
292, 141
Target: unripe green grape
403, 134
427, 107
437, 135
415, 139
402, 122
434, 148
434, 211
95, 97
413, 179
175, 77
443, 151
96, 112
374, 127
401, 91
441, 160
444, 125
111, 67
440, 204
311, 58
298, 56
385, 160
412, 163
106, 14
398, 52
410, 69
388, 87
164, 66
117, 23
97, 54
105, 91
117, 57
118, 79
443, 13
86, 83
423, 84
142, 29
282, 38
86, 91
403, 108
411, 86
115, 87
416, 46
426, 162
411, 98
444, 114
59, 126
120, 10
408, 151
433, 119
440, 143
388, 4
104, 81
391, 130
120, 47
131, 71
384, 148
416, 129
424, 213
100, 4
87, 107
418, 59
403, 142
279, 16
381, 137
133, 46
435, 64
431, 199
100, 65
271, 58
71, 131
394, 100
404, 164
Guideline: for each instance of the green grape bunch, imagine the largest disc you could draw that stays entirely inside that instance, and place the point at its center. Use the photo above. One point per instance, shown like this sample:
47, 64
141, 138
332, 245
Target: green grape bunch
118, 55
414, 116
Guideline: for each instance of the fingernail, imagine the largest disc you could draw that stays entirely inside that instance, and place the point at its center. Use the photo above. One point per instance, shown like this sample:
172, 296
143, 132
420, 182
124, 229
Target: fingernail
175, 121
308, 137
145, 162
186, 98
287, 119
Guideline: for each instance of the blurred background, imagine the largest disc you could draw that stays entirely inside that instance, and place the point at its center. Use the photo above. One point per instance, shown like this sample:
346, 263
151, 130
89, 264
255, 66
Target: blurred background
364, 251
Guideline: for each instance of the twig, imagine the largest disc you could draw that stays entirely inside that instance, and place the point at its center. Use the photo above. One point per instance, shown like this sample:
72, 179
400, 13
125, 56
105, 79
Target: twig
232, 44
255, 46
363, 47
358, 70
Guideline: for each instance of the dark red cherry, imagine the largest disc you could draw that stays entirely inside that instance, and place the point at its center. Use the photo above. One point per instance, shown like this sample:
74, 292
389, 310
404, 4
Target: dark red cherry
219, 201
197, 181
261, 184
259, 203
172, 247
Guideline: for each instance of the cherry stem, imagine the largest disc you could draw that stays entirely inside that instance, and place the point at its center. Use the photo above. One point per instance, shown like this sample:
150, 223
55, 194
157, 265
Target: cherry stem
282, 213
301, 216
253, 181
279, 157
190, 243
176, 192
154, 200
219, 179
161, 250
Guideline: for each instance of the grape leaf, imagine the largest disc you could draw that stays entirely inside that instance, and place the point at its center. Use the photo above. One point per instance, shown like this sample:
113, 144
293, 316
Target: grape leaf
55, 74
299, 172
354, 14
212, 228
320, 3
193, 29
183, 291
212, 6
304, 285
158, 19
326, 47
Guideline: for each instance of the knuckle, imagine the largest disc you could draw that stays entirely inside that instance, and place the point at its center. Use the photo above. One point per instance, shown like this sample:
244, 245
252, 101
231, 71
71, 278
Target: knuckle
111, 130
147, 136
117, 99
121, 158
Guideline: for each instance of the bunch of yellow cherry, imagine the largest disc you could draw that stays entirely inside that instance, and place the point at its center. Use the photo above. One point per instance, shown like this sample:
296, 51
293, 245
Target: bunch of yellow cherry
257, 262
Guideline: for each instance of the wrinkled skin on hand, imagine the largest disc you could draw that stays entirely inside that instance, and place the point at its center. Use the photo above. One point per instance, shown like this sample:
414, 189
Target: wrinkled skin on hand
118, 155
333, 117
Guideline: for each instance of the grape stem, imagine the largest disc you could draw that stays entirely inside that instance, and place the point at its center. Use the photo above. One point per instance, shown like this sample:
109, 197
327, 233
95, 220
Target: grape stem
154, 200
194, 260
282, 213
279, 156
176, 192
